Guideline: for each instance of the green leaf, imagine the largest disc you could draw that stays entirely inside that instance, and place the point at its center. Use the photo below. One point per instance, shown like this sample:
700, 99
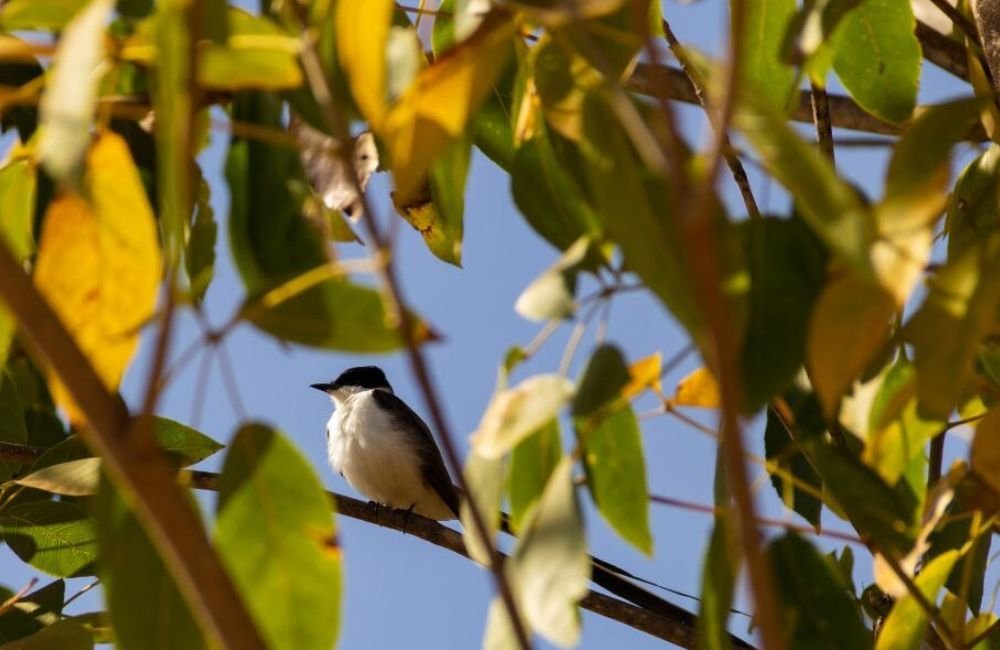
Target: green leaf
814, 26
547, 195
973, 208
818, 612
602, 380
18, 182
616, 474
332, 314
879, 58
904, 627
959, 310
513, 414
787, 269
56, 537
67, 106
888, 515
270, 240
761, 64
51, 15
142, 599
531, 465
32, 611
62, 635
484, 477
277, 539
550, 568
72, 478
256, 54
492, 131
447, 178
12, 427
827, 204
199, 255
634, 206
187, 445
553, 293
786, 452
717, 579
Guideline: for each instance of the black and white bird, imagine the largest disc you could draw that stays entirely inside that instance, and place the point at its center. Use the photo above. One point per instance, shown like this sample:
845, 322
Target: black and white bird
383, 449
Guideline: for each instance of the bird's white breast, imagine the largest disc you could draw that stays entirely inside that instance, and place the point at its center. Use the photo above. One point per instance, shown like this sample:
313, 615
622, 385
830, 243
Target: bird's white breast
367, 447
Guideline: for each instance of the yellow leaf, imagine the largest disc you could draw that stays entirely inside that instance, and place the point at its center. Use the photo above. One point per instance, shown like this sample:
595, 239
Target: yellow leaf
99, 263
985, 453
849, 325
644, 373
436, 107
362, 35
697, 389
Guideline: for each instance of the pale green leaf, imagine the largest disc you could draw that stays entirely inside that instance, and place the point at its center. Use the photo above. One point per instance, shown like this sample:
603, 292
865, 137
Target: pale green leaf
515, 413
275, 535
531, 465
67, 105
717, 579
761, 65
906, 623
485, 479
72, 478
603, 380
552, 294
33, 14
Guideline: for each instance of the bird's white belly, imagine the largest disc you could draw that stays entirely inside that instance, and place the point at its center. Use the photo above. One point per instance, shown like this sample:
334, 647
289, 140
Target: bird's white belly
378, 461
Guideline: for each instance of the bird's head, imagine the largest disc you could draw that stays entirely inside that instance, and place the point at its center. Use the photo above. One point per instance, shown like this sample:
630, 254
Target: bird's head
354, 380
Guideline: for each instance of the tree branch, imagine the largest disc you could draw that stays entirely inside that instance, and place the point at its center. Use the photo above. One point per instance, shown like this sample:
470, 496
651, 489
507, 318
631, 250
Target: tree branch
144, 474
943, 51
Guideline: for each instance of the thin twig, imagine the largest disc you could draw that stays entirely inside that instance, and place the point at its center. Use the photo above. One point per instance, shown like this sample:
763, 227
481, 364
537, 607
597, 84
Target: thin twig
735, 166
821, 118
9, 604
87, 587
936, 458
319, 84
943, 629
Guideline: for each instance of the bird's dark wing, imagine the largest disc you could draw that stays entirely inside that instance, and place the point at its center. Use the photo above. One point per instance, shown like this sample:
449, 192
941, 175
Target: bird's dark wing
433, 465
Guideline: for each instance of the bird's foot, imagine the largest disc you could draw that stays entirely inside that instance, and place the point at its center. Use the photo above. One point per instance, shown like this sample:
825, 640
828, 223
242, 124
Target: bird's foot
406, 516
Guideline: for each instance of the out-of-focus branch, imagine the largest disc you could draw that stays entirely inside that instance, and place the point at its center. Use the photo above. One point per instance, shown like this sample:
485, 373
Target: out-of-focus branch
944, 52
987, 15
140, 471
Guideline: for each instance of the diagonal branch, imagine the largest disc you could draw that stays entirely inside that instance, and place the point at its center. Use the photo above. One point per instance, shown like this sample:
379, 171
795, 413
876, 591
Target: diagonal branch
142, 473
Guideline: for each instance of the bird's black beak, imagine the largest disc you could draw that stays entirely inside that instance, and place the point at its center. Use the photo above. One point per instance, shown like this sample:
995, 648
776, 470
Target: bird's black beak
326, 388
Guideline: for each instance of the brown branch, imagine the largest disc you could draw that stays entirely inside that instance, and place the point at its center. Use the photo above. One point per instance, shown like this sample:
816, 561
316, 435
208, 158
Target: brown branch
699, 230
942, 50
821, 118
732, 160
160, 506
958, 19
987, 15
318, 82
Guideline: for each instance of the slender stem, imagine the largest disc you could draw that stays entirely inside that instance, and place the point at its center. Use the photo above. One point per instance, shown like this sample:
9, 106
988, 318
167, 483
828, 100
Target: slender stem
821, 118
735, 166
698, 227
936, 458
958, 19
319, 84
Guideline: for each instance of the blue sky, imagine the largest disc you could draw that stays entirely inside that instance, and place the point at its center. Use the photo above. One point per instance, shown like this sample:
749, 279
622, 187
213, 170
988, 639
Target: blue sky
400, 591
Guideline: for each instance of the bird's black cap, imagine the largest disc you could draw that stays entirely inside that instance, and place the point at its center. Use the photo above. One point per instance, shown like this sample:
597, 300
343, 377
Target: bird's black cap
361, 377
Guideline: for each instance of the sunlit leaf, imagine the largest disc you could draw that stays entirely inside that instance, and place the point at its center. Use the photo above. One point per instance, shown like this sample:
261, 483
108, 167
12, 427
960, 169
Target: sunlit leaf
553, 293
815, 603
275, 535
435, 109
849, 325
812, 27
62, 635
362, 35
17, 207
99, 263
132, 573
644, 373
878, 58
531, 465
550, 567
959, 310
32, 14
67, 107
555, 13
199, 255
485, 479
698, 388
616, 474
787, 267
55, 537
906, 623
72, 478
515, 413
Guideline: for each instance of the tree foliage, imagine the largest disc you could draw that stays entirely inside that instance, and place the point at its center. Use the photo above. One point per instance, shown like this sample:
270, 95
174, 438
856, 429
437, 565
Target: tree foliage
863, 328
